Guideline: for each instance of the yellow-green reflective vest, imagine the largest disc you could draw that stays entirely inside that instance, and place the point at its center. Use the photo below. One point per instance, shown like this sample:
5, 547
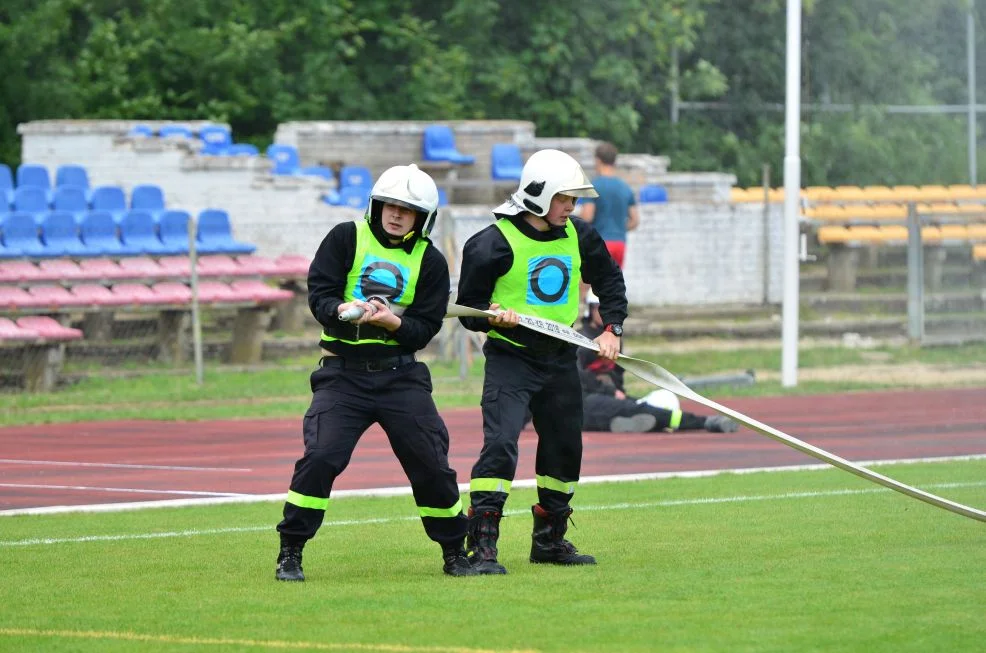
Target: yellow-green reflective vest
383, 272
544, 278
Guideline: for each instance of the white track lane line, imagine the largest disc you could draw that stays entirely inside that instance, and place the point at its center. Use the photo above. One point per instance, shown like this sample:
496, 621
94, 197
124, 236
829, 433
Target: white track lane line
227, 498
170, 468
670, 503
125, 490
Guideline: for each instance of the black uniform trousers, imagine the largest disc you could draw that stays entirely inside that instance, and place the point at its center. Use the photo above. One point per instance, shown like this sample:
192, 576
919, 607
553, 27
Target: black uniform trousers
549, 387
346, 401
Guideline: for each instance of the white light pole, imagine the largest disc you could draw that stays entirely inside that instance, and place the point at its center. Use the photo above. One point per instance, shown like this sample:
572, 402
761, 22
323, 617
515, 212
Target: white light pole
792, 197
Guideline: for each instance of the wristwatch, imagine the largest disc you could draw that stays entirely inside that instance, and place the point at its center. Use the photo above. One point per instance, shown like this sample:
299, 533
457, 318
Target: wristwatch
615, 329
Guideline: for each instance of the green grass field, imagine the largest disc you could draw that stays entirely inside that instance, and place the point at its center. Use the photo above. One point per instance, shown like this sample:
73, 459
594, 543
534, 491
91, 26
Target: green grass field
783, 561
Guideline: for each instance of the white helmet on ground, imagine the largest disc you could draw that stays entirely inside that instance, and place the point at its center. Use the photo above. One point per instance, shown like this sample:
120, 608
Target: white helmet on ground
662, 399
406, 186
547, 173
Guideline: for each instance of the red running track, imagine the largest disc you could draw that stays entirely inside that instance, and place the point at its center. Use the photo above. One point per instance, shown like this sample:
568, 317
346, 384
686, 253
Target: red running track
135, 461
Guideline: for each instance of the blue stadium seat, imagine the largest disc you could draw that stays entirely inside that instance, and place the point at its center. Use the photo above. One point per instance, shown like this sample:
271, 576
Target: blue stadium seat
147, 197
109, 198
60, 234
216, 140
439, 145
173, 231
653, 194
140, 130
32, 174
285, 158
442, 197
21, 236
355, 197
72, 199
506, 161
214, 235
31, 199
175, 130
138, 230
331, 197
71, 175
242, 149
355, 177
99, 233
318, 171
6, 187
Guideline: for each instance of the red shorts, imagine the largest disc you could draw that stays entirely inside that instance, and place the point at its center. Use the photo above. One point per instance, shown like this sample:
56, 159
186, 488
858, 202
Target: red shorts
616, 250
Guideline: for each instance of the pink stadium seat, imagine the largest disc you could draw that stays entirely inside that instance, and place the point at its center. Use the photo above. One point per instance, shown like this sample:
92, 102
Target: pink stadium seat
176, 266
251, 265
217, 265
11, 331
141, 267
136, 293
60, 270
95, 295
48, 327
50, 297
260, 291
101, 268
19, 271
172, 292
211, 292
293, 264
14, 298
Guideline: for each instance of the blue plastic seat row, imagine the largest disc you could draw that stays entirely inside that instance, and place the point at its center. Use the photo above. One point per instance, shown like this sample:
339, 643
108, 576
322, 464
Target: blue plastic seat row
99, 234
36, 175
216, 139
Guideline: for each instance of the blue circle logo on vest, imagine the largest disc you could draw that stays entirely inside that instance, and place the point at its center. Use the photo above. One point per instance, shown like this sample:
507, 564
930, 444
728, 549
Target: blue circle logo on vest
549, 280
382, 278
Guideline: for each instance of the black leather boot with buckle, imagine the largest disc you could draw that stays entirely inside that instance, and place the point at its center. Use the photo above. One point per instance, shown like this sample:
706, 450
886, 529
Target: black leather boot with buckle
548, 543
289, 563
484, 531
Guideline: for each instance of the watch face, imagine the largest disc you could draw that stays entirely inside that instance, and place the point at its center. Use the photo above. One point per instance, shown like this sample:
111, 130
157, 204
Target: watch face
617, 329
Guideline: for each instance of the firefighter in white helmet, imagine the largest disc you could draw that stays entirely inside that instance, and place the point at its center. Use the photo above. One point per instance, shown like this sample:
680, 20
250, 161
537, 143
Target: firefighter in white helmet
530, 262
380, 290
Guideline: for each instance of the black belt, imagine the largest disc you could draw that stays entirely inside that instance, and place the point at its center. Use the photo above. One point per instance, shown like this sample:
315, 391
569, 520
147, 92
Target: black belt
368, 364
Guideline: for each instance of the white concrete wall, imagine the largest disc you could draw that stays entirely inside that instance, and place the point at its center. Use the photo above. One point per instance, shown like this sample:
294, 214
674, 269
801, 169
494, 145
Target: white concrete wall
683, 253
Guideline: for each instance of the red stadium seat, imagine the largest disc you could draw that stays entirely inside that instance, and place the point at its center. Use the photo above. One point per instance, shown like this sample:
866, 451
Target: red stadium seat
60, 269
50, 297
96, 295
101, 268
211, 292
172, 292
141, 267
11, 331
250, 265
293, 264
19, 271
217, 265
136, 293
260, 291
14, 298
177, 266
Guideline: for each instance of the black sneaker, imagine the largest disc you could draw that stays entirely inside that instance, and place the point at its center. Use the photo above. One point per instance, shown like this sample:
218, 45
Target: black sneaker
289, 563
457, 564
720, 424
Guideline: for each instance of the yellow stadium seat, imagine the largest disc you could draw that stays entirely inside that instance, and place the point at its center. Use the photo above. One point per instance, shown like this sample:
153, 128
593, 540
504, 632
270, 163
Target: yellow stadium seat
967, 192
739, 195
860, 213
827, 213
892, 233
907, 193
971, 209
930, 234
977, 232
831, 234
938, 208
848, 194
865, 234
879, 194
889, 212
934, 193
817, 193
954, 232
979, 252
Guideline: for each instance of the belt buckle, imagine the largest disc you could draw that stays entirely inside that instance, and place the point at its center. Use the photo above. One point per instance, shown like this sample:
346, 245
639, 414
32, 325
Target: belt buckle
379, 365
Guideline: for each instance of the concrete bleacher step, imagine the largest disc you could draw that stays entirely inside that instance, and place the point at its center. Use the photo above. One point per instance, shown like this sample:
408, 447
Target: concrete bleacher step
815, 279
892, 303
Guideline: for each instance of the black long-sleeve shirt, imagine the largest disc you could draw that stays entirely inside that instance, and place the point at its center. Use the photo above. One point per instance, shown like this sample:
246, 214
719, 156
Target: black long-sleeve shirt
487, 256
327, 283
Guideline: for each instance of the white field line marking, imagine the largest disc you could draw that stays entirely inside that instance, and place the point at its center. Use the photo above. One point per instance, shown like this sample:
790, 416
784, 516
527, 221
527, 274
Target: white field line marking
126, 490
670, 503
463, 487
170, 468
243, 643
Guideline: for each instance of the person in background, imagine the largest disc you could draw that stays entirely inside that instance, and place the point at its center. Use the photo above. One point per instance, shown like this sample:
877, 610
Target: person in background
380, 290
607, 406
614, 212
530, 261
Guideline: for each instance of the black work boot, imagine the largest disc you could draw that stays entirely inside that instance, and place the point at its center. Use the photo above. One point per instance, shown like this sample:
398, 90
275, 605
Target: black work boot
548, 543
289, 563
456, 562
484, 531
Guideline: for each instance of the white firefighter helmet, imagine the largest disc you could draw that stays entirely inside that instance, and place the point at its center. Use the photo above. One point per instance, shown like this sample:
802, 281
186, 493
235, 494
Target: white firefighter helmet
547, 173
662, 399
406, 186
